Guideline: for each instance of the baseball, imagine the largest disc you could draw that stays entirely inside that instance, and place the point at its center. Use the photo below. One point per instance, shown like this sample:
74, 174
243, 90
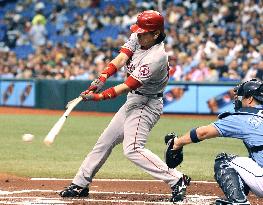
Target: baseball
27, 137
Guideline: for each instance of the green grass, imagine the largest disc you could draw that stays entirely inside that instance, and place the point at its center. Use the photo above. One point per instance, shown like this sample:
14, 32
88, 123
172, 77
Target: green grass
77, 138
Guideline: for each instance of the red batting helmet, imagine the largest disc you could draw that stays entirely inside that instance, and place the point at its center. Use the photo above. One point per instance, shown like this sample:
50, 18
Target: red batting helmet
148, 21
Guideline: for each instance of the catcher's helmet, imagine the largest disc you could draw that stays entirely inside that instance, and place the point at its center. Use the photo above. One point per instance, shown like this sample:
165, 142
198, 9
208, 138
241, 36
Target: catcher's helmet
252, 88
148, 21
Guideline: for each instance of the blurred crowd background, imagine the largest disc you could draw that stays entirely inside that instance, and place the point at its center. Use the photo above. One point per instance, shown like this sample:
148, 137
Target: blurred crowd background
207, 40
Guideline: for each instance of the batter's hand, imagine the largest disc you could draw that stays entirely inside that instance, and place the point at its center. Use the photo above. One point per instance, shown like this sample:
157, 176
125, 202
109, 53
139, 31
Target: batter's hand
90, 96
106, 94
97, 84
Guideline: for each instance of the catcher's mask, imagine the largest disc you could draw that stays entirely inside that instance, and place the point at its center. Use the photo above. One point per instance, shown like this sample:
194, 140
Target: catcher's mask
252, 88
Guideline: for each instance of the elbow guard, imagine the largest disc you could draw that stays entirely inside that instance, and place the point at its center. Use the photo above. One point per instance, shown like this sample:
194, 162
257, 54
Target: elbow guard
132, 83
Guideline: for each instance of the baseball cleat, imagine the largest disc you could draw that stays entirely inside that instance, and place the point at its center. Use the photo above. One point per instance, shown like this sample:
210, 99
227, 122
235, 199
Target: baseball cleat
179, 189
74, 190
226, 202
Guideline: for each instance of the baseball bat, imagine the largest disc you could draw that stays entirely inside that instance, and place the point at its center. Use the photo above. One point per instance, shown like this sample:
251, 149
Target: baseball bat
49, 139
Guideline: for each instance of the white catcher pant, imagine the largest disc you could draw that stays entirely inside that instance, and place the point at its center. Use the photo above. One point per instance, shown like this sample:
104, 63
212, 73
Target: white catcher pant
250, 172
130, 125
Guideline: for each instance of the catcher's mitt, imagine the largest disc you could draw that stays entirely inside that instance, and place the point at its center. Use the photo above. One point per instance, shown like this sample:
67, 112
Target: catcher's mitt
172, 157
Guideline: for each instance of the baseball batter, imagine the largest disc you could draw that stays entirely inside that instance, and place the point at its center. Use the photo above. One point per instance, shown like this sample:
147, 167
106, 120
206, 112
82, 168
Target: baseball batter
235, 175
146, 62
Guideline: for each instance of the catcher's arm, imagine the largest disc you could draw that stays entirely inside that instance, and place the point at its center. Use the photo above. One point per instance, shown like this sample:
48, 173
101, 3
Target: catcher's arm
174, 151
196, 135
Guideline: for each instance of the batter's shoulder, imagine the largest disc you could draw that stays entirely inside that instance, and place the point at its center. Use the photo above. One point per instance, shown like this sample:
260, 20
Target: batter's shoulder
160, 54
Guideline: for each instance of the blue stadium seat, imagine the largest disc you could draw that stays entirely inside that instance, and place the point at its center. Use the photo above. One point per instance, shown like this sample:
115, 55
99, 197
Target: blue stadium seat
51, 29
3, 30
2, 35
98, 36
69, 40
55, 39
29, 14
70, 16
9, 7
23, 51
116, 3
2, 13
48, 9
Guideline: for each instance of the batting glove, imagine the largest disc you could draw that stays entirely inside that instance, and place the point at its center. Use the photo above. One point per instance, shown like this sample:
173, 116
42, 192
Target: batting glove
89, 96
97, 84
110, 93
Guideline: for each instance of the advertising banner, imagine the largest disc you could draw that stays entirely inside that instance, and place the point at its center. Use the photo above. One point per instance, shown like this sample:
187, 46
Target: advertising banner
180, 99
17, 93
200, 98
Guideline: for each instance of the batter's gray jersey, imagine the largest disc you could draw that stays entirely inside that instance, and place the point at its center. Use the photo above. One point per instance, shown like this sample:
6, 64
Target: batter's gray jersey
150, 67
132, 124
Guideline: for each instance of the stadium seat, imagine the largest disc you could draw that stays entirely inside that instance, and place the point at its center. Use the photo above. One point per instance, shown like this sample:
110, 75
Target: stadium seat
51, 29
29, 14
116, 3
48, 9
69, 40
23, 51
98, 36
2, 13
2, 35
9, 7
70, 16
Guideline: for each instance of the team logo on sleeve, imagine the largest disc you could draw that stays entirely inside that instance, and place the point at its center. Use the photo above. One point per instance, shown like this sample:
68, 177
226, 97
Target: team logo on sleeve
144, 70
129, 66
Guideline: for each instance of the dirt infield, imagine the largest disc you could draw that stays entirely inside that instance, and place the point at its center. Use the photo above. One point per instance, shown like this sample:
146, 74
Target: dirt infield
17, 190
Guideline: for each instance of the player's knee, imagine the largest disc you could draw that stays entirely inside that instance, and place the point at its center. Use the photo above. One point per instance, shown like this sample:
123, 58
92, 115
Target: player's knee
131, 150
228, 179
225, 157
128, 151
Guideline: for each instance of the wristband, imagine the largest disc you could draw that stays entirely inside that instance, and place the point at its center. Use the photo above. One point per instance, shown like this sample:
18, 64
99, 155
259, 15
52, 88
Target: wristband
96, 97
102, 79
109, 94
193, 136
110, 70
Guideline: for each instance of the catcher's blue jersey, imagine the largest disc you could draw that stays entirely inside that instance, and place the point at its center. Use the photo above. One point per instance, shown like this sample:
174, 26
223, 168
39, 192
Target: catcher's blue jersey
247, 127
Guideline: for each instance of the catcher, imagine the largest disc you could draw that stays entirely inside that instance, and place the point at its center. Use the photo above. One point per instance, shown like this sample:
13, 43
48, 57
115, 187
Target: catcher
235, 175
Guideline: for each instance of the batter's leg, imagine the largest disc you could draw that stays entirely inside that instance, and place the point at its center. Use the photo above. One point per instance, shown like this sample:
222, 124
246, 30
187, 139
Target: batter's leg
138, 124
111, 136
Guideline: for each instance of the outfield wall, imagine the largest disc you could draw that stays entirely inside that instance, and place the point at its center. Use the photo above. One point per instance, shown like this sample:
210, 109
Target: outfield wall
181, 97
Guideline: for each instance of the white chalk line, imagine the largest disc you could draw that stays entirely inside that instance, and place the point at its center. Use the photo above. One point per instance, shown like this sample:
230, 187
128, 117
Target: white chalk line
32, 200
116, 180
91, 192
97, 192
190, 199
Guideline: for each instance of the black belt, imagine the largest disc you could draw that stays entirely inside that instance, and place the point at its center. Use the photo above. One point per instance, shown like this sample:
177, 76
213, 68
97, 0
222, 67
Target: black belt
158, 95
